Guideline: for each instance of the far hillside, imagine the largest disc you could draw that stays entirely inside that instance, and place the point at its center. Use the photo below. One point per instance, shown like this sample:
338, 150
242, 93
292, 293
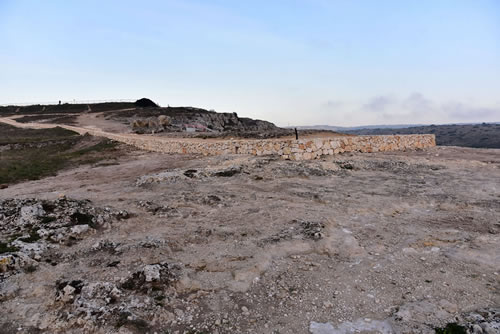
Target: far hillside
485, 135
64, 108
144, 116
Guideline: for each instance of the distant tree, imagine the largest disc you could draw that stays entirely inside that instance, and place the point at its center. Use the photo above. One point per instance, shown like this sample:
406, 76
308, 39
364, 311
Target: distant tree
145, 103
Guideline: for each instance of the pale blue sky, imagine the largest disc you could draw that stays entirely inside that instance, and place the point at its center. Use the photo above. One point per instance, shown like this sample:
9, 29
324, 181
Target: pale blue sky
298, 62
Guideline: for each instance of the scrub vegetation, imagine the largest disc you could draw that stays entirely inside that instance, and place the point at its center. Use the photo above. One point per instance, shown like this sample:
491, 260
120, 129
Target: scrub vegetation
29, 154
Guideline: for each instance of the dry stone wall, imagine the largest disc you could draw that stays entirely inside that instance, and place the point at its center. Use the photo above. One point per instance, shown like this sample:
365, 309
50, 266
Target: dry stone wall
302, 149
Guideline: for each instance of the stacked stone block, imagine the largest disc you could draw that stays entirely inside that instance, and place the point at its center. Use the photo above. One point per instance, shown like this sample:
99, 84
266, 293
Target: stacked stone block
302, 149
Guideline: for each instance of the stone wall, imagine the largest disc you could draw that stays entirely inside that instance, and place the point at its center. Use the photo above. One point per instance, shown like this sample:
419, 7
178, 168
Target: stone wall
305, 149
302, 149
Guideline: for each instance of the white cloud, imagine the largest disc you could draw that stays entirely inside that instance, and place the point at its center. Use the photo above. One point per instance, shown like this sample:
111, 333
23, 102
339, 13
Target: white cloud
332, 104
461, 111
379, 103
416, 102
416, 108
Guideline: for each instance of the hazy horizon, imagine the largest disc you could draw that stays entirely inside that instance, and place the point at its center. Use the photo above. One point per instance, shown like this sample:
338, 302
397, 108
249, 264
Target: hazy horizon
305, 62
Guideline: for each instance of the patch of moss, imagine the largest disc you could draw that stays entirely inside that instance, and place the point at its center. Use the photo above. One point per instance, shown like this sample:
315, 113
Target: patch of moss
6, 248
159, 298
15, 236
451, 328
33, 236
79, 218
48, 206
47, 219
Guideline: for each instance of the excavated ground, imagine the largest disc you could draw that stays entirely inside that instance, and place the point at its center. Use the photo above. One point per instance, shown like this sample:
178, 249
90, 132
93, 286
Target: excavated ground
401, 242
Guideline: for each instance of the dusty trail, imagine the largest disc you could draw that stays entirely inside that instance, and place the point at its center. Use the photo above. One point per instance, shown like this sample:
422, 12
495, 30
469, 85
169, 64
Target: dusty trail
81, 130
96, 131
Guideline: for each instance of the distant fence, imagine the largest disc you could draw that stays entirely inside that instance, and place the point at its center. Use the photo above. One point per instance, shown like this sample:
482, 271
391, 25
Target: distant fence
65, 101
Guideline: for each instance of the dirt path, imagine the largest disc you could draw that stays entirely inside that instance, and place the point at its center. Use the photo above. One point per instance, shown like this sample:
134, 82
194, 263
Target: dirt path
78, 129
93, 130
98, 121
97, 131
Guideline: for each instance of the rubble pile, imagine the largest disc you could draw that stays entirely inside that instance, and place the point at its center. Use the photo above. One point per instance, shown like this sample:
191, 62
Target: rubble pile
299, 229
29, 227
189, 119
128, 302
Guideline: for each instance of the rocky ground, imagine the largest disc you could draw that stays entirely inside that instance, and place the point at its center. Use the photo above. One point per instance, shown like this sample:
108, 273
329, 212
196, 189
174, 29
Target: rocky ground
404, 242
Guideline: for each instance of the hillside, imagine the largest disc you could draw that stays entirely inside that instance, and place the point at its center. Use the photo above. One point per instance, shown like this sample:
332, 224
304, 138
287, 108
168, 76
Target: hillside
480, 135
65, 108
146, 117
190, 119
485, 135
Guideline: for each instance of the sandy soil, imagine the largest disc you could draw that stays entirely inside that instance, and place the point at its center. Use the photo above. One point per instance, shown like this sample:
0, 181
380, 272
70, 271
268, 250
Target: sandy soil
385, 242
99, 122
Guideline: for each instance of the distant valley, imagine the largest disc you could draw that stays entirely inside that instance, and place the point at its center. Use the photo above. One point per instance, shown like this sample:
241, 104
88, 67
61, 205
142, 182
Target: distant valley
480, 135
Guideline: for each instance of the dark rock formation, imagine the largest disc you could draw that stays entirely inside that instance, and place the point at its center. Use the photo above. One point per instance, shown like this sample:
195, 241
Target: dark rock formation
189, 119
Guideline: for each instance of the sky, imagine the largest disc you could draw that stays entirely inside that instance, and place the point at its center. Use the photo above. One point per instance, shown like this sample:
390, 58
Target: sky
292, 62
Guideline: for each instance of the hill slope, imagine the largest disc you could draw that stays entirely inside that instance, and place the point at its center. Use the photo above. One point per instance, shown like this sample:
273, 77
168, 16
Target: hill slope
485, 135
